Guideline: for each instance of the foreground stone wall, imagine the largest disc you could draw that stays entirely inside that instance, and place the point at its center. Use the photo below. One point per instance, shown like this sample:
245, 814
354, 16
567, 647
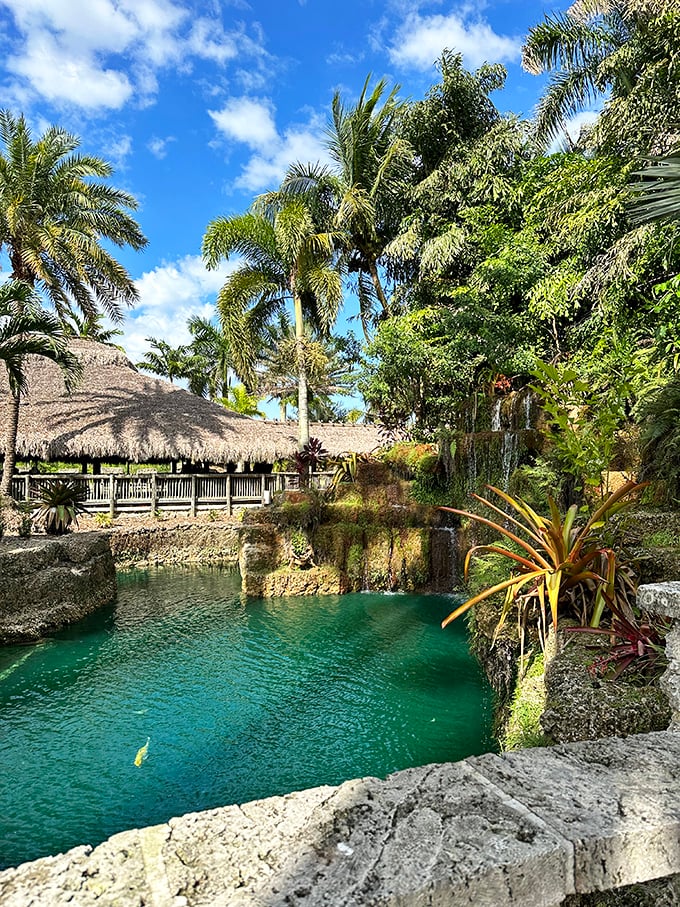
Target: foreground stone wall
47, 583
527, 828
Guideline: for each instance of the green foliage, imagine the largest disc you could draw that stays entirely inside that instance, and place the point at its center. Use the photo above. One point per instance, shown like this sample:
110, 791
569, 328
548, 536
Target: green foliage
60, 502
553, 562
238, 400
103, 520
523, 728
425, 364
609, 48
583, 422
409, 458
660, 419
298, 543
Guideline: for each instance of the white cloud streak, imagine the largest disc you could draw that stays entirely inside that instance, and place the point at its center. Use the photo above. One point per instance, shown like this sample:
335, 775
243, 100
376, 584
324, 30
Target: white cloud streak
251, 122
169, 295
102, 54
419, 40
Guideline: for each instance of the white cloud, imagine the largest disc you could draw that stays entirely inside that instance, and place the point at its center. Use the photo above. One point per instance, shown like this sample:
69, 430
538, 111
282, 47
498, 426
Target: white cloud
159, 147
251, 122
297, 144
117, 151
168, 296
77, 79
246, 120
419, 40
99, 54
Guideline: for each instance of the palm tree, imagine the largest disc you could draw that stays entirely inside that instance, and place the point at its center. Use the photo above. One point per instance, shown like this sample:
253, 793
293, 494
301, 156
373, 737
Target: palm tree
164, 360
659, 191
285, 258
329, 361
88, 327
238, 400
210, 346
606, 46
54, 214
28, 329
366, 186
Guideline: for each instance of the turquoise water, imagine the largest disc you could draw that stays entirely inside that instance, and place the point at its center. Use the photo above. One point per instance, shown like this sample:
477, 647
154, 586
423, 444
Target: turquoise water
239, 701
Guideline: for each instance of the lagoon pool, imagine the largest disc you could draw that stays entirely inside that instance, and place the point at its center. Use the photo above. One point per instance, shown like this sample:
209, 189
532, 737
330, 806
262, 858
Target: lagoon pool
238, 700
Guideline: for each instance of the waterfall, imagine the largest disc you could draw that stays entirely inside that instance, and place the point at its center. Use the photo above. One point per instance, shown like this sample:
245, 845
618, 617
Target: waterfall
509, 452
527, 410
496, 414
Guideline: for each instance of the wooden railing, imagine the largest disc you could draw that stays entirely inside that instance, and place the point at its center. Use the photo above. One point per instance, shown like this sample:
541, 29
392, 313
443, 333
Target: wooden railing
152, 491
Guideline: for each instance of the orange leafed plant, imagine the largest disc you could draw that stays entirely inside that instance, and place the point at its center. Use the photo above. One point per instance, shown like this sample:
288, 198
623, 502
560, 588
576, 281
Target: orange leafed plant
555, 562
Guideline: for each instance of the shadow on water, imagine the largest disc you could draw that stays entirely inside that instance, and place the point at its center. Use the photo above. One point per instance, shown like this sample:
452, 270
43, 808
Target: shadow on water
240, 700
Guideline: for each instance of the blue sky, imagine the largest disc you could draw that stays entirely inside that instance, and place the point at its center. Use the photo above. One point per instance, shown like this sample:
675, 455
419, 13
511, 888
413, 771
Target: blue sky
201, 104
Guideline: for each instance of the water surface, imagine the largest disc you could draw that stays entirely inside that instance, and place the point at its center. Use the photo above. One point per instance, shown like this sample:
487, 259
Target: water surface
239, 700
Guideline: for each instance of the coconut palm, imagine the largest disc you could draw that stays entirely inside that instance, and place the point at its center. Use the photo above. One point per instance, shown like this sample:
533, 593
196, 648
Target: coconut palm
54, 214
365, 188
164, 360
210, 346
27, 329
620, 47
89, 327
285, 258
329, 361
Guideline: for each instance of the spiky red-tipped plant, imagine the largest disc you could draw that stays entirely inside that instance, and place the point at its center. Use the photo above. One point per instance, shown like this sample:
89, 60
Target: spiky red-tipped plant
634, 642
555, 562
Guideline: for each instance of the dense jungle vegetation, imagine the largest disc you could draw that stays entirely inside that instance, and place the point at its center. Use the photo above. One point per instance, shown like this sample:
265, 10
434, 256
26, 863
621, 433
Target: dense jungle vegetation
486, 252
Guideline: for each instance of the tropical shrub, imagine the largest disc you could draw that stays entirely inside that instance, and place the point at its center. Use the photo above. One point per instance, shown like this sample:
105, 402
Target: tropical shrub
60, 502
583, 422
635, 643
553, 561
311, 457
346, 470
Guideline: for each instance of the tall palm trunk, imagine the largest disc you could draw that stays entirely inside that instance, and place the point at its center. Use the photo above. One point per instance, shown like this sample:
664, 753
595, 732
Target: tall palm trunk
377, 286
303, 405
10, 444
18, 273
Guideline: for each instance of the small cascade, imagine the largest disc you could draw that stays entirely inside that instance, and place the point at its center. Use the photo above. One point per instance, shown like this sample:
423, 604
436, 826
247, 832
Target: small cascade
499, 434
444, 559
496, 414
509, 457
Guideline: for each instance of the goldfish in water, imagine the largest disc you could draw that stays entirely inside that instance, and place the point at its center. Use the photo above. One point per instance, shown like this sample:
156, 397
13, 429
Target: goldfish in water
142, 753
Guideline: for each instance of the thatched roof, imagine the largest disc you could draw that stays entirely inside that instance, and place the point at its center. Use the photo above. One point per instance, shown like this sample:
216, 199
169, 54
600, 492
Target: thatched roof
118, 413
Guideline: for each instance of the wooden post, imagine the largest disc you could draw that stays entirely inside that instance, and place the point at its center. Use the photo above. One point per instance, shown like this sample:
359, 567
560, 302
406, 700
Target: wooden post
27, 487
263, 485
229, 494
154, 493
112, 496
192, 512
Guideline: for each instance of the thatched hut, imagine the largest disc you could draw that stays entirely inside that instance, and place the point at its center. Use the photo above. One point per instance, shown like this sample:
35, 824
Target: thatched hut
117, 414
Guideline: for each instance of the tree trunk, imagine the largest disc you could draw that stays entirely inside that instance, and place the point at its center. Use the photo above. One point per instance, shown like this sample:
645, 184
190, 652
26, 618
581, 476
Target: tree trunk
303, 406
377, 286
10, 445
282, 410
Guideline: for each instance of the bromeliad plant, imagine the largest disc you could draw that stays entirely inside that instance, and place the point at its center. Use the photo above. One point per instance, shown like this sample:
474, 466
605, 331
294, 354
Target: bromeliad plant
59, 504
555, 563
637, 643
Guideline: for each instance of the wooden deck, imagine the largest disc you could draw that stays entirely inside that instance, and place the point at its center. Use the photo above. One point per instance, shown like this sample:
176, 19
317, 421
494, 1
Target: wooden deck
152, 491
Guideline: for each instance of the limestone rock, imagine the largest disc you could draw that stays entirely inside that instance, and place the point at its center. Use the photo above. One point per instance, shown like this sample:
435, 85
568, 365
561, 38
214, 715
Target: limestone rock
49, 582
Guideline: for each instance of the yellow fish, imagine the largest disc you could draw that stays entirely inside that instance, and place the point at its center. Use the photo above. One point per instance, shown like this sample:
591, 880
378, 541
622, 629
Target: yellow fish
142, 753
